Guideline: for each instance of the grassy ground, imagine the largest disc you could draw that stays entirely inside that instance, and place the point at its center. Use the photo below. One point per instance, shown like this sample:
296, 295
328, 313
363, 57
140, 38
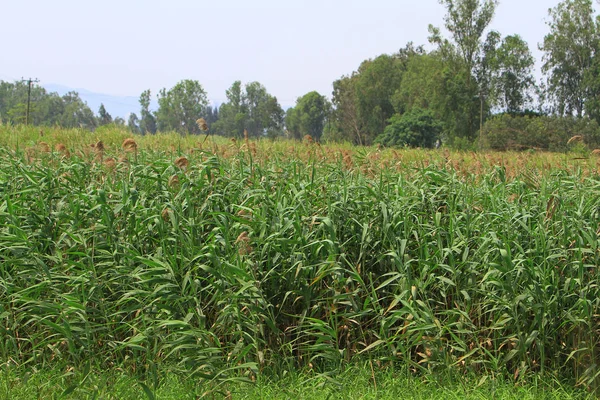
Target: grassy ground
355, 383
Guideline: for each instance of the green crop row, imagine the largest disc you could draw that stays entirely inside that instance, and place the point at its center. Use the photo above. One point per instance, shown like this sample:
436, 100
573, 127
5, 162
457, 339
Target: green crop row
223, 267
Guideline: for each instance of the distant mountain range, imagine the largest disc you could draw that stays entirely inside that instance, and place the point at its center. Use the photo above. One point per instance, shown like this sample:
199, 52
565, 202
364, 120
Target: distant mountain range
117, 106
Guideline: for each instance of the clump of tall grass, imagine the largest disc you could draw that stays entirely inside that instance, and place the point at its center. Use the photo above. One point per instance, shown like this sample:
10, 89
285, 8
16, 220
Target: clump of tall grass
202, 125
575, 139
182, 162
129, 145
61, 148
242, 265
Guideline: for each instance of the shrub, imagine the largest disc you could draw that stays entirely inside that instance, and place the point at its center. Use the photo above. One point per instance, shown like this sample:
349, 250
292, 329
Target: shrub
550, 133
417, 128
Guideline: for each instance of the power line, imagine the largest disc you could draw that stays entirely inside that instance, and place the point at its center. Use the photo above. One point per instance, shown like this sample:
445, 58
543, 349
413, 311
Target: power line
29, 82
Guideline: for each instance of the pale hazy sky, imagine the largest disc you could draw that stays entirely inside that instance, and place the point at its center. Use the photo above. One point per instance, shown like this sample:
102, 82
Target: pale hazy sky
124, 47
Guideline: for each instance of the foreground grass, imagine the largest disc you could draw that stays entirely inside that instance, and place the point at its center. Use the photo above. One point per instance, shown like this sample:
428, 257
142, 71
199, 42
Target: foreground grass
238, 258
354, 383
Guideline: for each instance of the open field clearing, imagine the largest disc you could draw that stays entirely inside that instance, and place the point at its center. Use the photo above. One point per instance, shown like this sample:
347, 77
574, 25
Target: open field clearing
228, 261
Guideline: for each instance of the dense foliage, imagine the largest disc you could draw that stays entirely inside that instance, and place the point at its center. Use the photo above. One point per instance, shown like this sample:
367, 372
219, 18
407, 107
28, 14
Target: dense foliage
244, 259
181, 106
249, 110
48, 109
417, 128
308, 117
508, 132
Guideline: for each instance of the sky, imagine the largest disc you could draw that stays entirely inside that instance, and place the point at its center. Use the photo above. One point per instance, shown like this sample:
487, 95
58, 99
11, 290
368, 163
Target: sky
292, 47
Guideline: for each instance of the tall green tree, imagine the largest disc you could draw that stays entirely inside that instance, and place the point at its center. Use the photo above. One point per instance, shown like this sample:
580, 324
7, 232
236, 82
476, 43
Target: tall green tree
467, 21
181, 106
13, 102
569, 51
377, 81
249, 108
263, 111
104, 118
232, 113
147, 119
433, 83
48, 109
364, 100
347, 119
515, 80
592, 83
308, 116
486, 73
421, 84
211, 116
133, 123
76, 113
461, 106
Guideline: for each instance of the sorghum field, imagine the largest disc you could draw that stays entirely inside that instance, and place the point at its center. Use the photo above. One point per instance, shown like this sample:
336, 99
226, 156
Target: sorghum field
227, 260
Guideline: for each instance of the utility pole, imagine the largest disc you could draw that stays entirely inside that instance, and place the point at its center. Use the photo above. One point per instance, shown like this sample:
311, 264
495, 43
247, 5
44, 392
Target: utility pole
29, 82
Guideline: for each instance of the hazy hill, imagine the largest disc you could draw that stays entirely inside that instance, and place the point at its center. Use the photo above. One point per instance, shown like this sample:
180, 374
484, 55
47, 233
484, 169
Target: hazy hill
117, 106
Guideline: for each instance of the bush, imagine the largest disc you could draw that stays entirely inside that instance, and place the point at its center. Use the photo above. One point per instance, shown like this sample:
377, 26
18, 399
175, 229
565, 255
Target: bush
462, 143
548, 133
417, 128
333, 134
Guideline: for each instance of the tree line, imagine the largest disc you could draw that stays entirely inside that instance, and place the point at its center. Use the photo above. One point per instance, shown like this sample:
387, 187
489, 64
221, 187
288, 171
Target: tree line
474, 87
